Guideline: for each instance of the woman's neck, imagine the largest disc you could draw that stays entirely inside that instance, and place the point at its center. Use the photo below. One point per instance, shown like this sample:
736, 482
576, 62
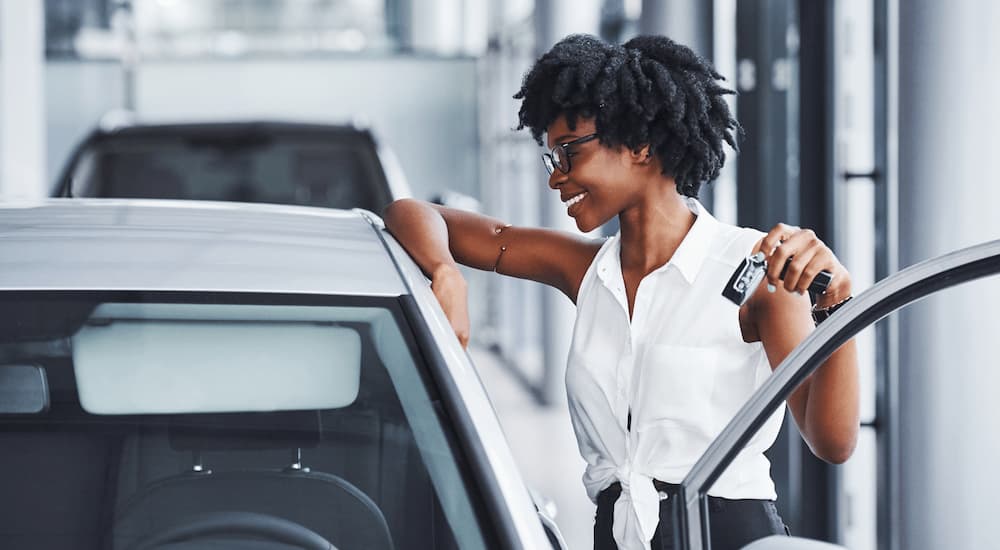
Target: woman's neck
652, 230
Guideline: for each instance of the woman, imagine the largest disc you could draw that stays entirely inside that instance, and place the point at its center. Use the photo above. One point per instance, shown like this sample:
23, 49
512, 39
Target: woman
659, 360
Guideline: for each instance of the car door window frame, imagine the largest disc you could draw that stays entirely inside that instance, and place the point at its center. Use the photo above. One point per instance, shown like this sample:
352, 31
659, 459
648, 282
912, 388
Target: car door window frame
909, 285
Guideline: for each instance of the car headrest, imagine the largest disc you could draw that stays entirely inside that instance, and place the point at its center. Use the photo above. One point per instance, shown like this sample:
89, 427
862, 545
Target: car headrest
244, 431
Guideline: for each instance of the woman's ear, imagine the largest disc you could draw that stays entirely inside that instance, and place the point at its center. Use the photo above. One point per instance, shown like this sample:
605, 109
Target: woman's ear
642, 155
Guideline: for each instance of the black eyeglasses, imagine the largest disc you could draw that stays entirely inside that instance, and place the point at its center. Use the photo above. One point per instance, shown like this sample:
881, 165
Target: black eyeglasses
559, 156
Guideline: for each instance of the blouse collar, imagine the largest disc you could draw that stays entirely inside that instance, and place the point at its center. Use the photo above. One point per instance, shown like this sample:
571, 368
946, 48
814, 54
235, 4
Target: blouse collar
689, 256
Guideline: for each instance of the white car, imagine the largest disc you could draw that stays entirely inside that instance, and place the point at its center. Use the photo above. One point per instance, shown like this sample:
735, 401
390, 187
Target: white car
219, 375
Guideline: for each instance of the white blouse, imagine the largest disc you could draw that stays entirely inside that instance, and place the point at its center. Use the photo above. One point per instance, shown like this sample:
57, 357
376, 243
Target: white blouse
680, 367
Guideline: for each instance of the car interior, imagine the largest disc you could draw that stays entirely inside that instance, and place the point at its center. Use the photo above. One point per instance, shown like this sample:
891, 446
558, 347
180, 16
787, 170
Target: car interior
230, 460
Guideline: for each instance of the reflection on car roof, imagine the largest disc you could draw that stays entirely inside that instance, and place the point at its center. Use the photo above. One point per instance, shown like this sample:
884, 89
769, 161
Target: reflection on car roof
109, 244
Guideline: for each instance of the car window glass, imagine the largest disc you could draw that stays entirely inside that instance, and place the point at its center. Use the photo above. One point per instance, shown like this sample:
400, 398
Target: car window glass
276, 169
359, 471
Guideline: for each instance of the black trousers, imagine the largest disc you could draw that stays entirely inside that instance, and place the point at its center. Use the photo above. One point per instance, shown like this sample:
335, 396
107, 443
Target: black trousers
733, 523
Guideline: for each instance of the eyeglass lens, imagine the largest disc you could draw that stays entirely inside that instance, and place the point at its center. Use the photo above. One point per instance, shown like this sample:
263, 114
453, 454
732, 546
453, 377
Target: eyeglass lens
561, 158
549, 164
557, 159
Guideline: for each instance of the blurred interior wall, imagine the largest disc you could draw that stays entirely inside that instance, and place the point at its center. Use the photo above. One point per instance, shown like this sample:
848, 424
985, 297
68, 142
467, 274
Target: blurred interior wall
554, 20
527, 325
77, 95
424, 108
948, 196
509, 173
22, 128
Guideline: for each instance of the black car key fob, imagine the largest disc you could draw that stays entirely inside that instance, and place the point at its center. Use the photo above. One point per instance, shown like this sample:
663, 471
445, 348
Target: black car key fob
750, 273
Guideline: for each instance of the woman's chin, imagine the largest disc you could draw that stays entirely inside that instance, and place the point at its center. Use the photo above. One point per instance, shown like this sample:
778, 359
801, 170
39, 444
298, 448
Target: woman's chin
586, 225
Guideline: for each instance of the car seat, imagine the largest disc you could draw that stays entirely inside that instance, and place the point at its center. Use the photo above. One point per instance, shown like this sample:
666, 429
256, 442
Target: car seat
264, 474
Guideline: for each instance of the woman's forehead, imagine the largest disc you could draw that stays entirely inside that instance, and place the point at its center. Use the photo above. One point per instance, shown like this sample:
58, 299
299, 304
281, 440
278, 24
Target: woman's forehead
560, 129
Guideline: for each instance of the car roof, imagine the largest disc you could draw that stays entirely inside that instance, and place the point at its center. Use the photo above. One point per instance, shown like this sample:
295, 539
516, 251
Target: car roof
233, 128
159, 245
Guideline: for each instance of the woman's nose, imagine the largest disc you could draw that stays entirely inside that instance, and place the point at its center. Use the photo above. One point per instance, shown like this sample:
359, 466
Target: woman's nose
556, 178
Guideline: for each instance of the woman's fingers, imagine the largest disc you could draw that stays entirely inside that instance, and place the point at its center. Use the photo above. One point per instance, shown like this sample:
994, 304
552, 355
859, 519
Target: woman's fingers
792, 258
805, 255
774, 238
797, 278
784, 241
455, 308
839, 288
821, 259
450, 289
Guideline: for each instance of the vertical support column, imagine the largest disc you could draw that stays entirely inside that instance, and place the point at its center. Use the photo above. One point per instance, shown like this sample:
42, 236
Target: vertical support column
857, 218
948, 197
436, 26
22, 99
886, 79
723, 189
688, 22
123, 23
554, 19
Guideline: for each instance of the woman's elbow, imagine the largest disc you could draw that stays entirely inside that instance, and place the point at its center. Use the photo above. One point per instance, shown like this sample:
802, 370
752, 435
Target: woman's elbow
400, 213
395, 206
837, 450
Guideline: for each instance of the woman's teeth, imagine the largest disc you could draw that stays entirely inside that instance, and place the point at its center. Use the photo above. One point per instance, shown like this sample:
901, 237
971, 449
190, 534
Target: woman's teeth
575, 199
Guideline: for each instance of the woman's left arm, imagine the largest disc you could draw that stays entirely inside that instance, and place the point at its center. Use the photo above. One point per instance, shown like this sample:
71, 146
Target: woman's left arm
825, 406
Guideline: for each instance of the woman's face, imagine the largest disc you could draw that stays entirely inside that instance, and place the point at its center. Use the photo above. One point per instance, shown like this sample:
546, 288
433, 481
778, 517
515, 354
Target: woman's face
601, 182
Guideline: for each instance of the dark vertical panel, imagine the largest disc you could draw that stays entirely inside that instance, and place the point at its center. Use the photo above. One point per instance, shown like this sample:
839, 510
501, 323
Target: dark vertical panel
785, 175
820, 481
762, 79
815, 124
749, 112
755, 106
613, 21
397, 16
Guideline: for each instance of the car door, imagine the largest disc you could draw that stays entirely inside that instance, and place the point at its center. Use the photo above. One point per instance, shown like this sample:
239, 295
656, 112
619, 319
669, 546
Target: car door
884, 298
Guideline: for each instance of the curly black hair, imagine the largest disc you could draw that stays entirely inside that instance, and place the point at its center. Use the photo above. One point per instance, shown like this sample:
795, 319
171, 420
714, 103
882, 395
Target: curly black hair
648, 91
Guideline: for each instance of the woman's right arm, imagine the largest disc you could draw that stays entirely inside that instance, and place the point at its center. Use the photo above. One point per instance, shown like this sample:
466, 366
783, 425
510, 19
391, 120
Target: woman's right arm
438, 238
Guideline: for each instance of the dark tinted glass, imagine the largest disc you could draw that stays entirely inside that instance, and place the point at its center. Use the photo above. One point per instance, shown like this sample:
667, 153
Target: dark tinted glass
377, 466
280, 169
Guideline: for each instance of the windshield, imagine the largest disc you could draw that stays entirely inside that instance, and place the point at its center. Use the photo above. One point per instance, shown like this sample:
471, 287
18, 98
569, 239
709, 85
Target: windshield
332, 172
169, 411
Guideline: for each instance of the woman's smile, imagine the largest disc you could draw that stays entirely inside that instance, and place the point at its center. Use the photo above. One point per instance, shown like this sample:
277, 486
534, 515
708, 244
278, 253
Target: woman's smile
572, 203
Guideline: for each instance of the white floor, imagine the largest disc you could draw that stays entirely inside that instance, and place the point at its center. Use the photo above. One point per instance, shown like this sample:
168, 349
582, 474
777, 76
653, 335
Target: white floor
543, 444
